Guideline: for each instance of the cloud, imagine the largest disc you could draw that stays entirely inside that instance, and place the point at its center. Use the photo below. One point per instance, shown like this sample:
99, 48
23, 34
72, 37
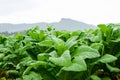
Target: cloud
8, 7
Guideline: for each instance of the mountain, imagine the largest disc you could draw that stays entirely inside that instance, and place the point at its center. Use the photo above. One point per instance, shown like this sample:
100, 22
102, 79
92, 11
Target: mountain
63, 24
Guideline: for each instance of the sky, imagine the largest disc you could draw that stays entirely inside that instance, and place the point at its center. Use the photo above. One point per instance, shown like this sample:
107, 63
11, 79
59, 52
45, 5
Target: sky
32, 11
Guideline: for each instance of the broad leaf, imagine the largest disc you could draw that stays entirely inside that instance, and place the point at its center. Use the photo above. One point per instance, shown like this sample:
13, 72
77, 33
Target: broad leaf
63, 60
70, 42
107, 58
97, 45
86, 52
59, 45
32, 76
103, 28
77, 65
42, 56
47, 43
35, 65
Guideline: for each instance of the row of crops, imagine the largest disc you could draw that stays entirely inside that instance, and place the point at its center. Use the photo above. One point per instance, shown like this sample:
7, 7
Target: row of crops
51, 54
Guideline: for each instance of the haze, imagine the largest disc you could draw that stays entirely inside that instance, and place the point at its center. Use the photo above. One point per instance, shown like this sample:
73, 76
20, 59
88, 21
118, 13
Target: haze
32, 11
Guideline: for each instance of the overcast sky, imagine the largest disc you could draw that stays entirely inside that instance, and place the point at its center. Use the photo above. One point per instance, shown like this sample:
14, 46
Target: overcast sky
31, 11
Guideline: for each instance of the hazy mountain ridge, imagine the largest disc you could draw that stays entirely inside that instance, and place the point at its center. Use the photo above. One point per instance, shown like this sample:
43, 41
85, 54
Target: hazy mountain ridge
63, 24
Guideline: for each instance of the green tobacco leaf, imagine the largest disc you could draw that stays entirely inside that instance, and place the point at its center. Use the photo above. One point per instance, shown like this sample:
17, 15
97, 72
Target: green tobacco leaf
106, 30
116, 35
116, 40
32, 76
53, 54
27, 70
42, 56
4, 50
73, 67
10, 56
26, 77
107, 58
19, 36
35, 76
112, 69
103, 27
38, 63
77, 65
34, 65
97, 45
48, 43
24, 62
97, 36
1, 56
37, 34
64, 34
76, 33
23, 49
95, 77
64, 60
59, 45
70, 42
41, 35
13, 72
49, 28
86, 52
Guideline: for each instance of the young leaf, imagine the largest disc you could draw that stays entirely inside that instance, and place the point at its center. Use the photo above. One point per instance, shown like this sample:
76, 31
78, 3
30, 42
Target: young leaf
97, 46
107, 58
59, 45
64, 60
42, 56
97, 36
106, 30
34, 65
13, 72
112, 69
47, 43
95, 77
103, 28
70, 42
77, 65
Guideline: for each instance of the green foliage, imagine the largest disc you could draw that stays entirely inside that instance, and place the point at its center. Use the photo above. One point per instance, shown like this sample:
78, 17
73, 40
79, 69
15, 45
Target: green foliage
61, 55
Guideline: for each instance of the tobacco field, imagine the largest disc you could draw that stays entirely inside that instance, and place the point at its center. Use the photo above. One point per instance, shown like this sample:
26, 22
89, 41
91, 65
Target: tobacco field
51, 54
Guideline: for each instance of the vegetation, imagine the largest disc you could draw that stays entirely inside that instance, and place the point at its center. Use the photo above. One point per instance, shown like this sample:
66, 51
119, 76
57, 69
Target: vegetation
7, 33
61, 55
11, 33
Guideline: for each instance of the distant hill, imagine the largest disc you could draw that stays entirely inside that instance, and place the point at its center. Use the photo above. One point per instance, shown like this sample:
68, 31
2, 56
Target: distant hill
63, 24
